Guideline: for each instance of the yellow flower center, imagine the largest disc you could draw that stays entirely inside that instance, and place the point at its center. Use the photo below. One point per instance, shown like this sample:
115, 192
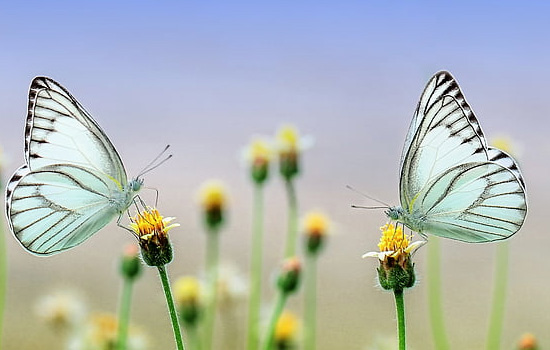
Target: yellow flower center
316, 224
149, 223
287, 327
260, 152
288, 137
212, 195
393, 239
187, 290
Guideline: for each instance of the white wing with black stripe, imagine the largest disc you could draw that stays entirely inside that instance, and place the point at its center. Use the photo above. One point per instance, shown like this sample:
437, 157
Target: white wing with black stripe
452, 184
73, 182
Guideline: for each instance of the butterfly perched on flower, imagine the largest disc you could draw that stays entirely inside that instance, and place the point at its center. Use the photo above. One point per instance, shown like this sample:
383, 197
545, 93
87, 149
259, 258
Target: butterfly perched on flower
73, 181
452, 183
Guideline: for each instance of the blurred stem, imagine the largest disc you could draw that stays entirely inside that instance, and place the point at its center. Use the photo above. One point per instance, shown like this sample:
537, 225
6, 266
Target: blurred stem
499, 296
310, 312
171, 307
277, 310
434, 295
194, 339
292, 228
400, 310
3, 275
212, 258
256, 270
124, 312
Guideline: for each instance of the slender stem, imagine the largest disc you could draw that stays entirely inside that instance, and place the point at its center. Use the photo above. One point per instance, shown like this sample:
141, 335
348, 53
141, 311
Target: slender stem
400, 309
292, 228
194, 339
3, 275
124, 313
212, 257
171, 307
254, 302
277, 310
434, 295
310, 313
499, 296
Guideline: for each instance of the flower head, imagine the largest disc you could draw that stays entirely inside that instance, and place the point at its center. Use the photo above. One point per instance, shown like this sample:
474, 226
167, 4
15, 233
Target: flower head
213, 199
316, 226
396, 267
258, 155
62, 309
151, 229
289, 146
289, 277
286, 330
101, 332
188, 297
528, 342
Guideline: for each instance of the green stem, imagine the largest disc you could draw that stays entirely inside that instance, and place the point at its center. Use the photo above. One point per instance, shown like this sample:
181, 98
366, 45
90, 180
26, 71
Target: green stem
499, 297
254, 303
212, 258
400, 309
124, 313
194, 339
171, 307
310, 293
277, 310
3, 275
292, 228
434, 295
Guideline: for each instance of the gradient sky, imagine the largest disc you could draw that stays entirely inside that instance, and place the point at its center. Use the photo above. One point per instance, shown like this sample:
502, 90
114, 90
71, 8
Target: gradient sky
205, 76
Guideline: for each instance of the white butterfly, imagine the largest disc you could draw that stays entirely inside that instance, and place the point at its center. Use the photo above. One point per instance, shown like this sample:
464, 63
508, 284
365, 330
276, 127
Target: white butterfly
452, 184
73, 182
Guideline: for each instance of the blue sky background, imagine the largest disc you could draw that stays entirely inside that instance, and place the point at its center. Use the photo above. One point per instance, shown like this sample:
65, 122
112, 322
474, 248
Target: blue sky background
205, 76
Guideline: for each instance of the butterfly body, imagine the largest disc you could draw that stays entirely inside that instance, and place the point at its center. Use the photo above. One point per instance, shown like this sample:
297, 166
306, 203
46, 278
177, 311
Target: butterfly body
73, 182
452, 183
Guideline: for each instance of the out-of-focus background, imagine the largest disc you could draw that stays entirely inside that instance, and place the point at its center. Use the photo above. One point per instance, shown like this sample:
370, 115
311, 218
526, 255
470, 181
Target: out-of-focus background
206, 76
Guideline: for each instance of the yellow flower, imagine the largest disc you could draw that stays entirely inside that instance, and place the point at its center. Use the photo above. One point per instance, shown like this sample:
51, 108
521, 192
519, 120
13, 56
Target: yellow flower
506, 144
151, 229
289, 145
396, 270
316, 226
213, 198
394, 243
258, 155
287, 328
187, 290
101, 333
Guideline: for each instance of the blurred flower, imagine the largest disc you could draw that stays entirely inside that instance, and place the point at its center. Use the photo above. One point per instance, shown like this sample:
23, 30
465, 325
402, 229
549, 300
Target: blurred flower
286, 331
316, 226
213, 199
289, 277
232, 285
528, 342
188, 298
289, 146
151, 229
130, 264
396, 270
63, 310
506, 144
258, 156
100, 333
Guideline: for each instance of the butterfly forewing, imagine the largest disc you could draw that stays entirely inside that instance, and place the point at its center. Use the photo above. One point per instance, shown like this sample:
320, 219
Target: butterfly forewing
60, 131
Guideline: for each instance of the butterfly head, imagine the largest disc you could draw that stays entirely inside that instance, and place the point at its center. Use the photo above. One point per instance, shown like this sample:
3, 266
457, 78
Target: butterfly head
394, 213
135, 184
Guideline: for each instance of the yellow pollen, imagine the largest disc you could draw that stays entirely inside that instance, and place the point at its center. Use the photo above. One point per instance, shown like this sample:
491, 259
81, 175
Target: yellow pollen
150, 222
393, 239
316, 224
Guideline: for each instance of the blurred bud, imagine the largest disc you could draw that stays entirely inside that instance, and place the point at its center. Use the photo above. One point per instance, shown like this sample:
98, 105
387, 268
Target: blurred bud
289, 278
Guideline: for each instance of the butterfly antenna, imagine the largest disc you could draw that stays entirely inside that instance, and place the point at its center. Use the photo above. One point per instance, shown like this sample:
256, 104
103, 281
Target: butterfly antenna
155, 163
385, 205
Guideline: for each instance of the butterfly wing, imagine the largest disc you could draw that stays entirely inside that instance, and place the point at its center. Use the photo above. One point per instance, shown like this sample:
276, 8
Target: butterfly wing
58, 207
60, 131
73, 182
443, 140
